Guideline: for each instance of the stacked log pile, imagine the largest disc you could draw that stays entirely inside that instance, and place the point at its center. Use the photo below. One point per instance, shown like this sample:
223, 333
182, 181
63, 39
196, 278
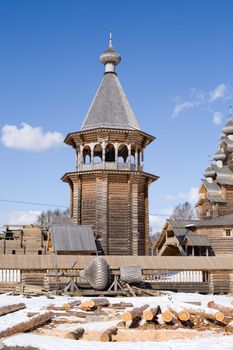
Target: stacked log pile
169, 315
165, 316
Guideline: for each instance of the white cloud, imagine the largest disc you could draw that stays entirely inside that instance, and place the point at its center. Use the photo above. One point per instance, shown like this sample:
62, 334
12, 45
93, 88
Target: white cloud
217, 118
200, 98
218, 93
197, 97
157, 221
21, 217
30, 138
191, 196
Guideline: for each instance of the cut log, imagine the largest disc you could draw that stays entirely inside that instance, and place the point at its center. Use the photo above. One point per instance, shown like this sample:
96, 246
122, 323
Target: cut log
226, 310
160, 320
205, 312
121, 324
98, 302
167, 316
107, 335
76, 334
179, 312
229, 327
33, 289
31, 314
150, 314
121, 305
80, 314
134, 313
84, 305
27, 325
4, 310
143, 291
65, 306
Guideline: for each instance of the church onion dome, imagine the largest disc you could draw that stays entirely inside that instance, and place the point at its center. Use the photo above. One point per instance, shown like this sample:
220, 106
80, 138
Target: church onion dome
209, 172
228, 128
220, 156
110, 58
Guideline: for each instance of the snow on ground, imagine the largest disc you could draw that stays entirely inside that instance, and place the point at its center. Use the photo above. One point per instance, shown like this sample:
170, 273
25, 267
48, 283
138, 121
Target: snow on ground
209, 340
51, 343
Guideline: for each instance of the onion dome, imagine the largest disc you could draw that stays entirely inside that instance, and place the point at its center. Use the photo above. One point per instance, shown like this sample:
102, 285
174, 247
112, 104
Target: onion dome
110, 58
220, 156
228, 128
209, 172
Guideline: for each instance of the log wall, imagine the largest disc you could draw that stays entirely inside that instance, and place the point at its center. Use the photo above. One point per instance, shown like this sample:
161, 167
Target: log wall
217, 209
118, 215
116, 205
221, 244
221, 282
29, 241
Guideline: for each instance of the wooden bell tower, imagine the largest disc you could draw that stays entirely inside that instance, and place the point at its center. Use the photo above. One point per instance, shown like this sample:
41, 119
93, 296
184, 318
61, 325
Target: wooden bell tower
109, 189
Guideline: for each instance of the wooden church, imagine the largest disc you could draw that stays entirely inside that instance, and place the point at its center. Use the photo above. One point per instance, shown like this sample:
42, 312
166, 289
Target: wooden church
212, 234
109, 189
216, 192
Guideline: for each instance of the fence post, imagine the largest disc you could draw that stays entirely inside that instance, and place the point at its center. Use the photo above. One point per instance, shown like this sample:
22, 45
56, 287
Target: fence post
211, 282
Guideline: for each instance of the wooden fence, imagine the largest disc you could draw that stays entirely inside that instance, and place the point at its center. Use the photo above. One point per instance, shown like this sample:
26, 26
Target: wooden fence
185, 274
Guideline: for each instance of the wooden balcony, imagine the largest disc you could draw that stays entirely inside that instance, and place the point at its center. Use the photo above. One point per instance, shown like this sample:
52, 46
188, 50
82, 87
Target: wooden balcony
108, 166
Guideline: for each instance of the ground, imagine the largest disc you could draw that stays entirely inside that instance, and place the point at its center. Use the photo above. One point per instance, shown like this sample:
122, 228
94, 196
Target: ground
53, 336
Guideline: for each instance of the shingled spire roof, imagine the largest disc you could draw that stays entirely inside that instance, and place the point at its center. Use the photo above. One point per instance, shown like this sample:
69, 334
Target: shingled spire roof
110, 107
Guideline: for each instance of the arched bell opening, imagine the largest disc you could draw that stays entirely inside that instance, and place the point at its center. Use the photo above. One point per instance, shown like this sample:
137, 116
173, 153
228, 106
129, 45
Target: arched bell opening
98, 153
122, 154
87, 155
110, 153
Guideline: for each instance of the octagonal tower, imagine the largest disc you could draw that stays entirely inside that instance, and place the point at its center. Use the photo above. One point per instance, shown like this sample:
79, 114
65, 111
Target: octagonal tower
109, 189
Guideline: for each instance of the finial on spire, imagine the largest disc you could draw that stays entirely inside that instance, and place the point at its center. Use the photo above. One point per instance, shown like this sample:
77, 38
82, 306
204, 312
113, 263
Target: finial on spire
110, 58
110, 38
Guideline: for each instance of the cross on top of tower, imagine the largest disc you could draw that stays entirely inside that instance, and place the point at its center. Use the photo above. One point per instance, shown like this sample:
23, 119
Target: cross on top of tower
110, 57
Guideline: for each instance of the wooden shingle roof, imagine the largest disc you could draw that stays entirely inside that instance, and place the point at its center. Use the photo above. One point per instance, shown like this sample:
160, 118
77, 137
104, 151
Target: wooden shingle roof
110, 107
76, 238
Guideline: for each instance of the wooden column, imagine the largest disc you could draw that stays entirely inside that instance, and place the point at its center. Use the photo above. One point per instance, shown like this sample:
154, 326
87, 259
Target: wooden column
102, 211
130, 229
136, 159
129, 152
211, 282
142, 162
134, 222
81, 155
71, 199
92, 154
77, 158
79, 202
103, 154
76, 193
116, 152
146, 219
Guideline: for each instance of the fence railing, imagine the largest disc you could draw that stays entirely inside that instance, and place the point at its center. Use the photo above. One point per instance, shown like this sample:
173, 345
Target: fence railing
178, 277
10, 276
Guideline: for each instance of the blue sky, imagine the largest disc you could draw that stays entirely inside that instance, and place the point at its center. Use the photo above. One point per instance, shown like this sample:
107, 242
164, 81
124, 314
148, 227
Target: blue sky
176, 70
